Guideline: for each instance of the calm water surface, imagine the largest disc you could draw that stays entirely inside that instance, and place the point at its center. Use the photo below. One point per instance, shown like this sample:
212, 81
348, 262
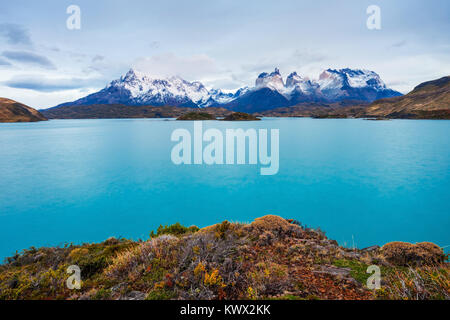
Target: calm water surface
362, 182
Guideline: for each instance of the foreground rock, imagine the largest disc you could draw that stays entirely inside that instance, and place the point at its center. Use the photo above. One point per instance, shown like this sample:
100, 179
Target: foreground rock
13, 111
270, 258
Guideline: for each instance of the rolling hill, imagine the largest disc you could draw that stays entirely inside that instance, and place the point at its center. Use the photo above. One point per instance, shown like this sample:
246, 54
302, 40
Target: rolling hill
428, 100
13, 111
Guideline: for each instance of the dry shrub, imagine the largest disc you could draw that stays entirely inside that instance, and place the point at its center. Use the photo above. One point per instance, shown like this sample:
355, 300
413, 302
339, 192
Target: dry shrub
405, 254
135, 259
266, 238
77, 253
268, 278
271, 223
209, 266
224, 229
277, 226
425, 283
209, 229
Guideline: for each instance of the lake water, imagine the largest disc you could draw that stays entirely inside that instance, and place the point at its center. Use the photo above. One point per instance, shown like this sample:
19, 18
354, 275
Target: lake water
362, 182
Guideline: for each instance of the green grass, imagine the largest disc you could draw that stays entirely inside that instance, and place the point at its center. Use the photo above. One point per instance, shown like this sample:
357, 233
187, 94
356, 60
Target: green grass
358, 269
175, 229
161, 294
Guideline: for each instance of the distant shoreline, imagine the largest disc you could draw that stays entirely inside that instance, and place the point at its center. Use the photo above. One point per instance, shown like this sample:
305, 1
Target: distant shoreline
152, 112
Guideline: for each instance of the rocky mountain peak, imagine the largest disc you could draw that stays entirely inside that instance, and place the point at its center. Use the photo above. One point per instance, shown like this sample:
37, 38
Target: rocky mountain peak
273, 80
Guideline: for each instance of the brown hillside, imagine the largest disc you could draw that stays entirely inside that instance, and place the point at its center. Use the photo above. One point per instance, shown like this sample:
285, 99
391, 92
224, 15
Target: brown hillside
428, 100
12, 111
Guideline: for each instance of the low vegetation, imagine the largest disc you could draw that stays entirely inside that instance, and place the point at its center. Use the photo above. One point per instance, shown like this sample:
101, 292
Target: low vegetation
270, 258
197, 116
240, 116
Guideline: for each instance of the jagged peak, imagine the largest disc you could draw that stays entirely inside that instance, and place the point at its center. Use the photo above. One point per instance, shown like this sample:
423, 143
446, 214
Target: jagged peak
347, 77
293, 79
273, 80
134, 74
276, 72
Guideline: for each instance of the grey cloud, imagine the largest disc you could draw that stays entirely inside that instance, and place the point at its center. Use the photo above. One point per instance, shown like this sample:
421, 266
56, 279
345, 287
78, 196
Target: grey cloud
30, 58
307, 56
4, 62
51, 85
98, 58
155, 44
399, 44
259, 67
15, 33
291, 62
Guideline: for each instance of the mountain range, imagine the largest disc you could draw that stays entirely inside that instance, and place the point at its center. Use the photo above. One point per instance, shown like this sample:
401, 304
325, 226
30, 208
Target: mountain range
270, 91
428, 100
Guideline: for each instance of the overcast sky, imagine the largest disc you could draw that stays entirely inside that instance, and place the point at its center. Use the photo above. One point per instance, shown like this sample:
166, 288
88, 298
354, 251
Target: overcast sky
222, 43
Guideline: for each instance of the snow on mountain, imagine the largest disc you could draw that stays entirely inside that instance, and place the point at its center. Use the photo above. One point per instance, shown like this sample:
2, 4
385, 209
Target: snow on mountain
137, 88
144, 88
353, 84
336, 79
221, 97
272, 81
332, 86
241, 92
306, 86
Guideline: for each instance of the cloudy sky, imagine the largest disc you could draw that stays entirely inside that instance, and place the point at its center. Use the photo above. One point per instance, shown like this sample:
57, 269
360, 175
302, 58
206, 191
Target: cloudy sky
223, 43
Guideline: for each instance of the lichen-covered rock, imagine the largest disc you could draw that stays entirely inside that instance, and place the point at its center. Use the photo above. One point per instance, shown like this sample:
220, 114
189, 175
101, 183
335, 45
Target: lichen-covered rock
403, 253
134, 295
334, 271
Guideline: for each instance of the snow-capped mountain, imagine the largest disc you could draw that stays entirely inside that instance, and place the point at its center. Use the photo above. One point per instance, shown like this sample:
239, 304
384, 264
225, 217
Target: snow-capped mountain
348, 84
270, 91
137, 88
272, 81
332, 86
144, 89
296, 82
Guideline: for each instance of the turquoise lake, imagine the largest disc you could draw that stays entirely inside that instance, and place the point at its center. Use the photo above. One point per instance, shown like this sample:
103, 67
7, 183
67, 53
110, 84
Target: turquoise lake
362, 182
